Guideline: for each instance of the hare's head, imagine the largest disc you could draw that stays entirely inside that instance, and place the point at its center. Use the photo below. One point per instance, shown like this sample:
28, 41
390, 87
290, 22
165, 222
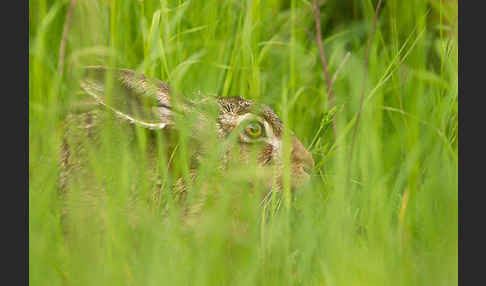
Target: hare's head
255, 127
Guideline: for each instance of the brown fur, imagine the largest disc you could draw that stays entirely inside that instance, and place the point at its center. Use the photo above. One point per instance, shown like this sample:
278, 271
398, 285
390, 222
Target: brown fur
129, 103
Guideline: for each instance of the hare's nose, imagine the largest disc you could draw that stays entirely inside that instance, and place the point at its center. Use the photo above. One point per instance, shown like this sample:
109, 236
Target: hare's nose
301, 155
308, 163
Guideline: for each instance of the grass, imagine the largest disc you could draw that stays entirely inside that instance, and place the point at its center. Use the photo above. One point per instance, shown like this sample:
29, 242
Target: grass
388, 217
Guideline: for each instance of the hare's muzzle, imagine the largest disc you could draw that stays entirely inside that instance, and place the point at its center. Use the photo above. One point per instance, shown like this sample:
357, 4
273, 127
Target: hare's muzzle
301, 157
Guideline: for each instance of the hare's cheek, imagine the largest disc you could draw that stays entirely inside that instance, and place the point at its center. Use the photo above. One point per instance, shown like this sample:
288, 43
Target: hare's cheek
244, 153
266, 156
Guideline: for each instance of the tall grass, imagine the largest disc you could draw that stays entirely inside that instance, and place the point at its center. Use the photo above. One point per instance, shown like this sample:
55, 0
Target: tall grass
388, 217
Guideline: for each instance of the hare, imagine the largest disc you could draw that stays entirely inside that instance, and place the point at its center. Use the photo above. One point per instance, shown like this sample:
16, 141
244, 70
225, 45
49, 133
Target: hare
139, 100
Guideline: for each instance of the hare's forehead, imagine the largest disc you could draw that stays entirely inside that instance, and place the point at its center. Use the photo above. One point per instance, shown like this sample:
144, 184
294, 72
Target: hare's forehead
272, 118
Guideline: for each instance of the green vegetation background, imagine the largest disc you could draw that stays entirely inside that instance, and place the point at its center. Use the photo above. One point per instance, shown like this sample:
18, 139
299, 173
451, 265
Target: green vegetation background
390, 217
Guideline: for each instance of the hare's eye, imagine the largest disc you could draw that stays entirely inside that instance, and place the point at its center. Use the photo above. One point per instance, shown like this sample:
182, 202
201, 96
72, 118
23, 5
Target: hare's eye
254, 130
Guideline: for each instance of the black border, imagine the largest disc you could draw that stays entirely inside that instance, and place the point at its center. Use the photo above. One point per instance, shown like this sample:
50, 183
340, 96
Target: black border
471, 122
15, 144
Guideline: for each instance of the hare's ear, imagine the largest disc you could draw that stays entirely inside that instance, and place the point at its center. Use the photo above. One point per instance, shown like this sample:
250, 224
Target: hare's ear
134, 97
